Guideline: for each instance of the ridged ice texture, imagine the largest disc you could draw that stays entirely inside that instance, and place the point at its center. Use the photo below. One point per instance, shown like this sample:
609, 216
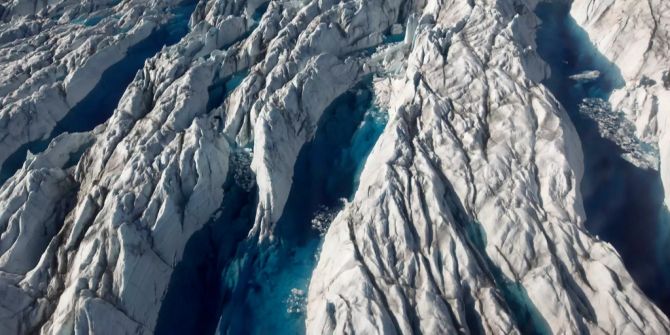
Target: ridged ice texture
467, 217
473, 186
52, 58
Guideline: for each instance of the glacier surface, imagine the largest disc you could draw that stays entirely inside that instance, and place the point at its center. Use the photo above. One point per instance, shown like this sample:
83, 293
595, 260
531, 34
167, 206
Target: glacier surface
356, 166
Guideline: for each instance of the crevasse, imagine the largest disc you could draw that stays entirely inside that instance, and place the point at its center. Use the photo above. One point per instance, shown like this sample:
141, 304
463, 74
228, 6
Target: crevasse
623, 202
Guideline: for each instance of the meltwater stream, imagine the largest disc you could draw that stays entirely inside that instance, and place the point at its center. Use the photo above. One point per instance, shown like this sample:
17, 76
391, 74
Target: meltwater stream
272, 299
100, 103
623, 203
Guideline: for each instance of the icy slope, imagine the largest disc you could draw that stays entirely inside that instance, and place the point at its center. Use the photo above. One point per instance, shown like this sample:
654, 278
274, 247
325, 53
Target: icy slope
54, 57
465, 217
468, 217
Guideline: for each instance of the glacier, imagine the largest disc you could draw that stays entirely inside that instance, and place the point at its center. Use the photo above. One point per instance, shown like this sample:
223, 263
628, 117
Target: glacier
319, 167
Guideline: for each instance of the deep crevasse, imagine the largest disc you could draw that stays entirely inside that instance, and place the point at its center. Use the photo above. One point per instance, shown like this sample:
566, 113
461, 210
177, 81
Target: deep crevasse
326, 171
623, 202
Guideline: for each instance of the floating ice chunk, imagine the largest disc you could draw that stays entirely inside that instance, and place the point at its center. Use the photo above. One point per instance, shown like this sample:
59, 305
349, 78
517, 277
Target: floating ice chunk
586, 76
295, 304
616, 127
322, 219
396, 29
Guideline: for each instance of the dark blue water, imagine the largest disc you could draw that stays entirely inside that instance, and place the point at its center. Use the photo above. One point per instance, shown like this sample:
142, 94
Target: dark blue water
221, 89
100, 103
623, 203
258, 13
89, 22
195, 296
328, 167
393, 38
272, 297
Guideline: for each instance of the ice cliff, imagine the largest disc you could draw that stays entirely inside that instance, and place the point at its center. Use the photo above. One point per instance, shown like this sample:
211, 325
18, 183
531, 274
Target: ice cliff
357, 166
